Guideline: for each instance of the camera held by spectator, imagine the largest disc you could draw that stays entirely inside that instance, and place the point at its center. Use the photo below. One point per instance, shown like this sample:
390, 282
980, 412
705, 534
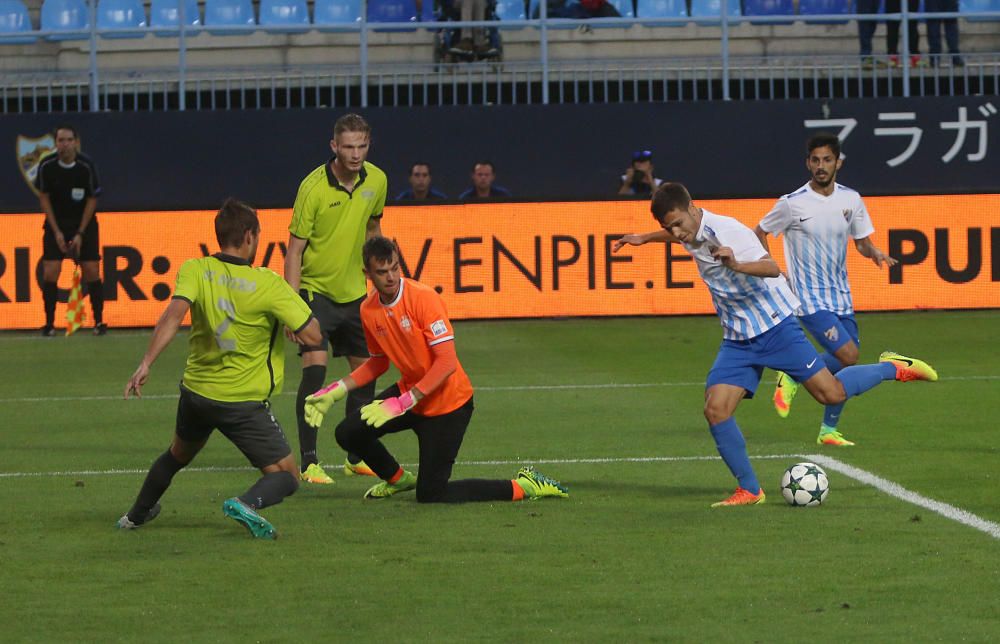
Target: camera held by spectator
639, 178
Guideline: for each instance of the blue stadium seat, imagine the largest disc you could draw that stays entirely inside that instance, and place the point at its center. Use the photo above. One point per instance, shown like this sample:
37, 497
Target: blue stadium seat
966, 6
399, 11
14, 19
122, 14
511, 10
624, 7
65, 15
225, 13
291, 15
331, 13
769, 8
661, 9
165, 15
713, 9
825, 7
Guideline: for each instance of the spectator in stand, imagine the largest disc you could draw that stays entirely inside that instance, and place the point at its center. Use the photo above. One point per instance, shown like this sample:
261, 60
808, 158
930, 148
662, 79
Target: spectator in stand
892, 33
420, 185
472, 40
950, 26
483, 176
639, 179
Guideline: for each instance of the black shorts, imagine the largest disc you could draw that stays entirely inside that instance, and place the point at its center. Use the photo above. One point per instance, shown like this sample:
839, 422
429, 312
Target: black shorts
339, 323
90, 245
249, 425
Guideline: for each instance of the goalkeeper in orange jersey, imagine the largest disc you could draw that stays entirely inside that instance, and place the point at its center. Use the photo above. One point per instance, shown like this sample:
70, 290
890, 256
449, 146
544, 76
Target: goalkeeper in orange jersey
406, 324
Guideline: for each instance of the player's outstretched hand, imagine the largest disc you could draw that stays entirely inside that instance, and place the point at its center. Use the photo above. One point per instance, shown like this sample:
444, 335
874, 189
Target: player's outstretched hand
878, 257
627, 240
379, 412
319, 402
137, 380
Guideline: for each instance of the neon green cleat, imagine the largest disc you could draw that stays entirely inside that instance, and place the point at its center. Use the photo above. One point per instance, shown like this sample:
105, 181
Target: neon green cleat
357, 469
784, 391
256, 525
909, 368
315, 474
742, 497
832, 438
536, 485
407, 481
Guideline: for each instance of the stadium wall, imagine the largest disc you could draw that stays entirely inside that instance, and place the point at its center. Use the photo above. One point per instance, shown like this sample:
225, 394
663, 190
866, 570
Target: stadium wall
152, 161
518, 260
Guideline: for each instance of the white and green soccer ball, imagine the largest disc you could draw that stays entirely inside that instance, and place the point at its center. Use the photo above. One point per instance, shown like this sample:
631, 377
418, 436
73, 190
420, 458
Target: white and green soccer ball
804, 485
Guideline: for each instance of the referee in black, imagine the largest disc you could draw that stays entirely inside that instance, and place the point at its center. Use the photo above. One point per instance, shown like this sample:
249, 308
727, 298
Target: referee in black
67, 191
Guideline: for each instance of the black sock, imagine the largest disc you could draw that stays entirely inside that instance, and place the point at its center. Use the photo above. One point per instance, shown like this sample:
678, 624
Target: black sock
312, 380
356, 400
50, 292
96, 291
156, 483
270, 489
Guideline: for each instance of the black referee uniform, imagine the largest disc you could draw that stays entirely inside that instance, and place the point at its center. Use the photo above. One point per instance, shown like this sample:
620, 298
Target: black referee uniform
68, 188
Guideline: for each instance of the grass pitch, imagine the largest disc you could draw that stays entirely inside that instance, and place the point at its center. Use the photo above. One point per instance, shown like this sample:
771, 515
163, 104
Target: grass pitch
610, 407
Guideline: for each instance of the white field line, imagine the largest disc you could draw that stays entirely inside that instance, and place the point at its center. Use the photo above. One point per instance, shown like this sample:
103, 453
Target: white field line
900, 492
867, 478
610, 385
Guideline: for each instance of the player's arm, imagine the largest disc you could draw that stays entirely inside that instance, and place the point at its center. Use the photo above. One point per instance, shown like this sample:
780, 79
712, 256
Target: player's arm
374, 227
293, 261
638, 239
873, 252
444, 362
166, 329
309, 335
762, 236
88, 214
763, 267
50, 219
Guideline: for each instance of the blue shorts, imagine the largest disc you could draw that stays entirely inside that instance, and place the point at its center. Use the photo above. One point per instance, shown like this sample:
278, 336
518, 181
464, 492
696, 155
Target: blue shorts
831, 330
783, 348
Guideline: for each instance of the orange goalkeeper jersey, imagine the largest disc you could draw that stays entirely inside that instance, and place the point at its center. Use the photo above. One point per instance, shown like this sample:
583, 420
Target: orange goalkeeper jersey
404, 331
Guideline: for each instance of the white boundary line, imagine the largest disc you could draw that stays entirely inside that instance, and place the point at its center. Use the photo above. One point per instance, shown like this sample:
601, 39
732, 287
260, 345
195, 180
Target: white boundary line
862, 476
900, 492
610, 385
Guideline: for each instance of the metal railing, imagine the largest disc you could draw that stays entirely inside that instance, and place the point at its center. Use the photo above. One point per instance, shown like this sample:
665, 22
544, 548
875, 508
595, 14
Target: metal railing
544, 81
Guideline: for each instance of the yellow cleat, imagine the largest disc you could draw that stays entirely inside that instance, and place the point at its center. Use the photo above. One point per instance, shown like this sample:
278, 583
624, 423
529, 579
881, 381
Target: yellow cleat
315, 474
357, 469
407, 481
909, 368
536, 485
742, 497
784, 391
833, 438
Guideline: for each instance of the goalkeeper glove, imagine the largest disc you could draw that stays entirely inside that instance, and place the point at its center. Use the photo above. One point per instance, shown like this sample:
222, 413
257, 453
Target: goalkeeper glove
379, 412
319, 402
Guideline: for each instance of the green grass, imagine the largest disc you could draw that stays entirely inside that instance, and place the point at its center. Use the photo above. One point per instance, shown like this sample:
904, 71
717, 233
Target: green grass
633, 555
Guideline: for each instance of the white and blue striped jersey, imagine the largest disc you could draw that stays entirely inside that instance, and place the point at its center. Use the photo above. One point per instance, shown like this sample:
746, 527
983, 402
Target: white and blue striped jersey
747, 305
816, 230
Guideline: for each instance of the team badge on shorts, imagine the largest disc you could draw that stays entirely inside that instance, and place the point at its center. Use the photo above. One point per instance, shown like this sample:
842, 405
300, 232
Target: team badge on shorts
30, 153
832, 334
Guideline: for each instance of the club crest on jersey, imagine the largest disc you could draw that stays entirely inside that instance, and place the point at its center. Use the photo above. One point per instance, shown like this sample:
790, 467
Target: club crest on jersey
405, 323
439, 328
832, 334
30, 153
847, 214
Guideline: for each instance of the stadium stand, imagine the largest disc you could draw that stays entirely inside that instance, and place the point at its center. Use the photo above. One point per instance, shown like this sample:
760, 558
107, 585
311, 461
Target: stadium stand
292, 16
229, 13
122, 14
14, 19
165, 15
64, 15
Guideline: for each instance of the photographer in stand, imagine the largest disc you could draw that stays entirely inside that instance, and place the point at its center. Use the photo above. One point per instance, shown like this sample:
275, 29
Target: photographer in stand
639, 178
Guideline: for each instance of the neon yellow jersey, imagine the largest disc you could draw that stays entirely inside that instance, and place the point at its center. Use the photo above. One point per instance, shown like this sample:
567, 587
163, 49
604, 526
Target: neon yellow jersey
236, 345
334, 222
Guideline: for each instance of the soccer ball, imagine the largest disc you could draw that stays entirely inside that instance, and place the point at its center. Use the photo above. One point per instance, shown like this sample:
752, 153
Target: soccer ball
804, 485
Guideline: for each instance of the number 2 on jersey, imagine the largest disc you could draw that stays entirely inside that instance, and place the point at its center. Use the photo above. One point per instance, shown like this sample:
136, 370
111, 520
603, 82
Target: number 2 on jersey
225, 344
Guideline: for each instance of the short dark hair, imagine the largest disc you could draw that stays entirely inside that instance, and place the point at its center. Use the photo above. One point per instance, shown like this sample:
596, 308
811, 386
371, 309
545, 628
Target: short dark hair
233, 221
379, 249
65, 126
823, 140
668, 197
412, 167
493, 168
351, 123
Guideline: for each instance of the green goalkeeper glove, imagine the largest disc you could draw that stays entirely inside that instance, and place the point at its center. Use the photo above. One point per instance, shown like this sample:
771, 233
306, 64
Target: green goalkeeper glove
318, 403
